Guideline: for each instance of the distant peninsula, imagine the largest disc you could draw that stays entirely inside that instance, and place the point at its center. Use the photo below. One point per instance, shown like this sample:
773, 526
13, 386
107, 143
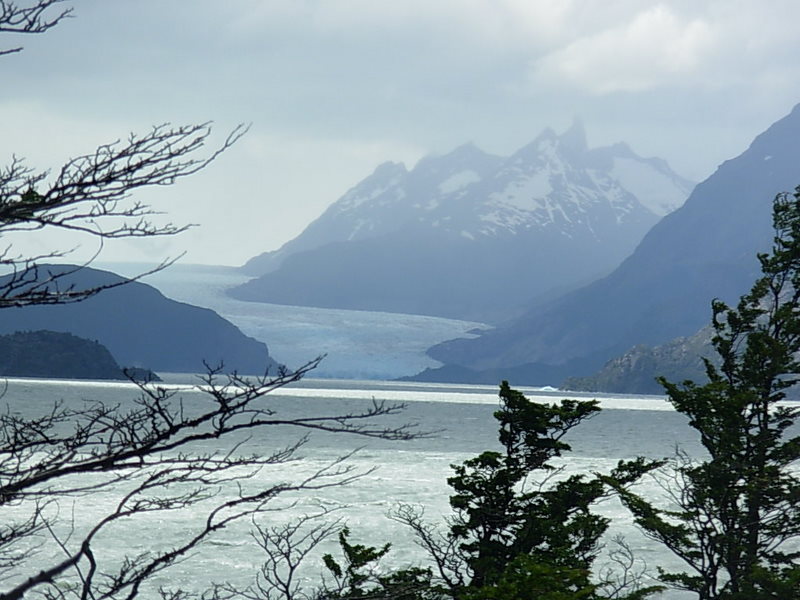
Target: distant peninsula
59, 355
139, 325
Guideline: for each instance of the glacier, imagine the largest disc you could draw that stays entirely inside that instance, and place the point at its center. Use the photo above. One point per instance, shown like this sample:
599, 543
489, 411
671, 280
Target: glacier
356, 344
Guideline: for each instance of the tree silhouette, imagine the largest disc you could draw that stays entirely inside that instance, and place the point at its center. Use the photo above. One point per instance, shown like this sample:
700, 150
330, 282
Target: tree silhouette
736, 516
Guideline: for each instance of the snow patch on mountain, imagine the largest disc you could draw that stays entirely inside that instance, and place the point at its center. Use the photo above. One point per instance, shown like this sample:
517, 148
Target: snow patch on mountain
508, 220
458, 181
553, 188
361, 224
525, 194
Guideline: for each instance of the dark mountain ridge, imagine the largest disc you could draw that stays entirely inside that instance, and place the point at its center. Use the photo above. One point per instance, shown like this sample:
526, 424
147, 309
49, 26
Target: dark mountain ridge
635, 371
141, 327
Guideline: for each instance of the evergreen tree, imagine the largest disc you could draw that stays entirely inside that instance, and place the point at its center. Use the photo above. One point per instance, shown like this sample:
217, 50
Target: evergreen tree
736, 523
357, 577
518, 530
497, 518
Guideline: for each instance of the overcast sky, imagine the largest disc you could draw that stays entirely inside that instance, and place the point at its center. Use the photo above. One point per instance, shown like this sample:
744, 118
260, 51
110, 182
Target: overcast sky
333, 88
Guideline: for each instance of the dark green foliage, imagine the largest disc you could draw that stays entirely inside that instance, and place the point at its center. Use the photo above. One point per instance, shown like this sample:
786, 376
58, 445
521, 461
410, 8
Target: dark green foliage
513, 536
526, 579
351, 578
498, 518
737, 520
356, 576
55, 355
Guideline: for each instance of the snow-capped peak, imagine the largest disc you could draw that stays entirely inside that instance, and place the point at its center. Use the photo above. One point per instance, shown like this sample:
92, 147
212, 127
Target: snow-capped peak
658, 190
657, 187
556, 182
554, 186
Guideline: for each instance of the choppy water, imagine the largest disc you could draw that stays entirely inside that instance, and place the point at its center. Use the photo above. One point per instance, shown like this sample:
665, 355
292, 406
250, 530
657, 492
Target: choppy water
408, 472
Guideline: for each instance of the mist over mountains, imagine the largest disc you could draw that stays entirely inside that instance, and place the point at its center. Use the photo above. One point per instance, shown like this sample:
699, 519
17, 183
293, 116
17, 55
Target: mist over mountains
703, 250
470, 235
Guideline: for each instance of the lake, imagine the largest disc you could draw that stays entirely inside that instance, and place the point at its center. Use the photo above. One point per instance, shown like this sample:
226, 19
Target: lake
411, 472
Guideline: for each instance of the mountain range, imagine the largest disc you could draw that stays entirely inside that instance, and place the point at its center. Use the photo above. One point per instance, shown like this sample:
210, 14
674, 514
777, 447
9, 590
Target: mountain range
470, 235
705, 249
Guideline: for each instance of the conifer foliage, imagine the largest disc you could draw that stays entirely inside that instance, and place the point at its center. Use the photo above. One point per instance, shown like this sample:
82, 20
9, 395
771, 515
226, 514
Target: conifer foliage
500, 514
520, 530
735, 522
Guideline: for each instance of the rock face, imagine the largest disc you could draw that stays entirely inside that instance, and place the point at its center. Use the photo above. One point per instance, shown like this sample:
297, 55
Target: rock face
705, 249
635, 371
57, 355
142, 328
473, 236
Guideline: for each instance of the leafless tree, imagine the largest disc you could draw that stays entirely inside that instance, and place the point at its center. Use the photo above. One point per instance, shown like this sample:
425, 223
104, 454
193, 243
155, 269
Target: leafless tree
442, 550
148, 456
626, 574
91, 193
286, 549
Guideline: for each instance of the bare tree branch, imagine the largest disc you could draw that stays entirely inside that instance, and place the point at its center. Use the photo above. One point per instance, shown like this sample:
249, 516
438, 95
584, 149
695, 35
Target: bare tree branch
147, 457
91, 195
286, 547
148, 454
34, 18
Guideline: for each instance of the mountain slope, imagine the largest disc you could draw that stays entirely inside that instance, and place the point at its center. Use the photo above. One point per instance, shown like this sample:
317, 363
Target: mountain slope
635, 371
390, 197
142, 328
705, 249
472, 236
